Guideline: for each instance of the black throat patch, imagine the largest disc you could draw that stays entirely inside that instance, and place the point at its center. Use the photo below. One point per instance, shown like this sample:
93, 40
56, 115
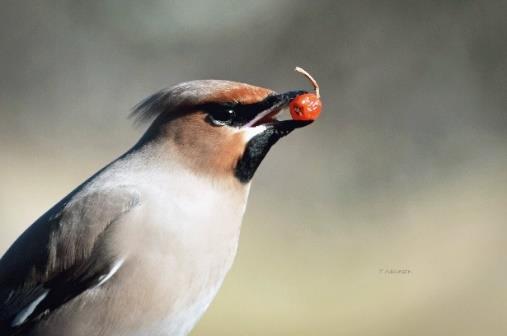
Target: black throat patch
255, 151
257, 148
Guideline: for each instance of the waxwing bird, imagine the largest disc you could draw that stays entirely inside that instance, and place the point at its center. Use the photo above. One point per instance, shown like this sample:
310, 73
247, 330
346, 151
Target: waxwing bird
142, 247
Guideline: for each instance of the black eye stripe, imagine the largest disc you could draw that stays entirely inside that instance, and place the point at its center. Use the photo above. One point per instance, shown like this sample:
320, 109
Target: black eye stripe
242, 113
220, 114
223, 114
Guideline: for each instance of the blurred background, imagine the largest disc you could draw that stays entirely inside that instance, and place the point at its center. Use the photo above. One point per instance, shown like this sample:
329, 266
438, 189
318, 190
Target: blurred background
388, 216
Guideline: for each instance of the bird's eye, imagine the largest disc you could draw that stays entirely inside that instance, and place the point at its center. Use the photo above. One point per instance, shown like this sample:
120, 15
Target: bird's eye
222, 116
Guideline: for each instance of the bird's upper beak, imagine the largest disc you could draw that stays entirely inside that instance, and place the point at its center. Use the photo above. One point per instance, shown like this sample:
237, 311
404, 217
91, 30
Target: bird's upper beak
272, 106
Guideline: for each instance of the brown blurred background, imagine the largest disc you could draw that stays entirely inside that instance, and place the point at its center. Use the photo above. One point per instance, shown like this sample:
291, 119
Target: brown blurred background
405, 170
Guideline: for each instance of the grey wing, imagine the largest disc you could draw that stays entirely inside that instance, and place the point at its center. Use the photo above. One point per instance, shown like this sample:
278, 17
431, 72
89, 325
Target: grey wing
60, 256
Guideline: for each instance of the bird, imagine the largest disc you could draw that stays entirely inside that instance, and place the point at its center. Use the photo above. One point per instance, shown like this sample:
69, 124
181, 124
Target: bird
143, 245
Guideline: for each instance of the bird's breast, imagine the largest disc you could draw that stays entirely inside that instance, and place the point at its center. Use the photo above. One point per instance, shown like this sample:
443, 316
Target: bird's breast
181, 241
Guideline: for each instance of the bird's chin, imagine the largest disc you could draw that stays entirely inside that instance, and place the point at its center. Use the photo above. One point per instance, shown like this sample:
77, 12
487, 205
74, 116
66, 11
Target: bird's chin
261, 137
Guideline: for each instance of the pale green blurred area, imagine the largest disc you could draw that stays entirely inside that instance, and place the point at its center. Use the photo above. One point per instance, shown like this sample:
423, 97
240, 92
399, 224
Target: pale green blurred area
405, 170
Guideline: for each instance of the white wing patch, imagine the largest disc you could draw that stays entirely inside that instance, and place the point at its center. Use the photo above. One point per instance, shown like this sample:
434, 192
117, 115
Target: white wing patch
28, 310
11, 293
103, 278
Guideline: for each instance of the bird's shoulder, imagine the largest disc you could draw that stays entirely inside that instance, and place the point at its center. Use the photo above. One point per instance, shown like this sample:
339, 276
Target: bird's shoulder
61, 254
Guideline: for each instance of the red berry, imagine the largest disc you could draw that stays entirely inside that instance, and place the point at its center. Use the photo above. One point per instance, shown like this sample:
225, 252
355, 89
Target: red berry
305, 107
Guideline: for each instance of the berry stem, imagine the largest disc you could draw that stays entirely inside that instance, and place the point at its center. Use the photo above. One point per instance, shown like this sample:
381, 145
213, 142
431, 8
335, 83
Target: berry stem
311, 79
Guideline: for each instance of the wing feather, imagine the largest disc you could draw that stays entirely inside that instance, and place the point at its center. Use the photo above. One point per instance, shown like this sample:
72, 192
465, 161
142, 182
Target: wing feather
60, 256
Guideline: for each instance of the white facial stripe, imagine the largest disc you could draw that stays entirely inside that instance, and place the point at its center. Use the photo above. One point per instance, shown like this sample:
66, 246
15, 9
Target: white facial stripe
28, 310
250, 132
103, 278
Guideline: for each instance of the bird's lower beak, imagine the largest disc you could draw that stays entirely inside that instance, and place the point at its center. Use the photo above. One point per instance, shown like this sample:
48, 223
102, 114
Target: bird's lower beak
275, 104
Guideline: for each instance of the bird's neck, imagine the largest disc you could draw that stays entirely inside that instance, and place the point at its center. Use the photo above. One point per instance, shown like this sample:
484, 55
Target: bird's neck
162, 157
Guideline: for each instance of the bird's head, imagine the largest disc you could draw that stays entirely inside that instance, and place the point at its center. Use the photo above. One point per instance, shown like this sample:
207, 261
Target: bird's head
218, 127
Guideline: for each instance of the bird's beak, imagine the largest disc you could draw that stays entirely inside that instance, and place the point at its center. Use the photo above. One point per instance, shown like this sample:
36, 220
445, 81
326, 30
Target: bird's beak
267, 130
272, 106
